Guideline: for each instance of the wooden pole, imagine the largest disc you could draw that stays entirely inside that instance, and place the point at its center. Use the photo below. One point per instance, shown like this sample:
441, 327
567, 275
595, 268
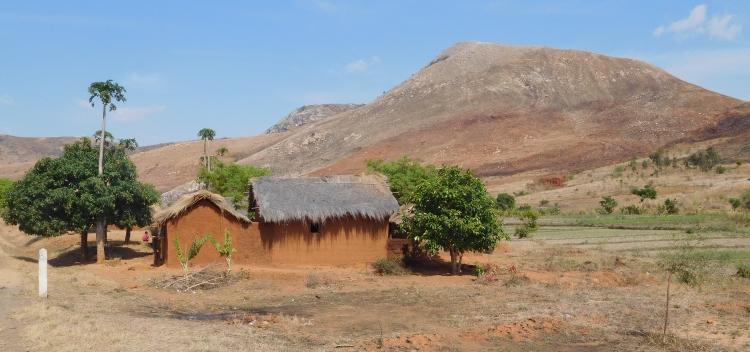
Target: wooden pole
43, 273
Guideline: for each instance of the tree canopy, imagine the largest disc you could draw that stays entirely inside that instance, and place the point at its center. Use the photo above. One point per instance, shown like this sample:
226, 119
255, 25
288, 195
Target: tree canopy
5, 184
704, 161
231, 180
453, 212
66, 194
404, 174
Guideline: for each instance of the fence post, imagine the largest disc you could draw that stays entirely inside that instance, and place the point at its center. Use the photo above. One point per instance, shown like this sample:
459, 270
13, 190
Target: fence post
43, 273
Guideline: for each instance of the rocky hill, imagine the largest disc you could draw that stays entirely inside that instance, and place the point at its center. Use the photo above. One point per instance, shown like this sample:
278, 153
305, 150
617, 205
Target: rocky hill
503, 109
30, 149
310, 113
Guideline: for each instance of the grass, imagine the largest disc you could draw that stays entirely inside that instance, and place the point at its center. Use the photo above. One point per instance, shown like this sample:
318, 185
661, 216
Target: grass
393, 266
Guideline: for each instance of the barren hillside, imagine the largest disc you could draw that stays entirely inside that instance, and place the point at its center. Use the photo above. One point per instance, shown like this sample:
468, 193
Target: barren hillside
502, 109
308, 114
30, 149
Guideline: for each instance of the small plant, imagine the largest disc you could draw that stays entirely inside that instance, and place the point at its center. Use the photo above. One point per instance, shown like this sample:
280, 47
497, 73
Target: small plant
736, 203
486, 274
543, 202
225, 250
608, 203
479, 270
671, 206
313, 280
113, 261
529, 218
394, 266
634, 164
647, 192
645, 164
743, 270
739, 162
631, 210
720, 169
195, 247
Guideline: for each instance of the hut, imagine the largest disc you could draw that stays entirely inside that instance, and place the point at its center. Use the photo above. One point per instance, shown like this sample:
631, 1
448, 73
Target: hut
203, 212
329, 220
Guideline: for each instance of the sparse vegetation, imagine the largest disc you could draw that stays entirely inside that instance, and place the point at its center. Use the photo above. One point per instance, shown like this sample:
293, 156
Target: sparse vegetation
529, 218
608, 204
647, 192
705, 161
391, 267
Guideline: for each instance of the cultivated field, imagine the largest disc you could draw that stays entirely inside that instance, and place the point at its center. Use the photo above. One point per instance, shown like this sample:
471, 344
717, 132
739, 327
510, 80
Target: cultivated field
583, 283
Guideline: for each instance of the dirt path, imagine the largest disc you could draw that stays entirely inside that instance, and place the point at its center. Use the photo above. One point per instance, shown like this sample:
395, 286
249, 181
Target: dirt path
12, 297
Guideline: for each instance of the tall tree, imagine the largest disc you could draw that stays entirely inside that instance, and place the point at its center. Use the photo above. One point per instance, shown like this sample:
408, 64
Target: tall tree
66, 194
128, 144
404, 174
221, 152
453, 212
106, 92
231, 180
108, 137
206, 135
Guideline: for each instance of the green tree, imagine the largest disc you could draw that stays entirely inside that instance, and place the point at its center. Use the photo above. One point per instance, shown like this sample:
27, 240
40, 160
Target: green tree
704, 161
66, 194
404, 174
453, 212
529, 218
647, 192
106, 92
506, 201
608, 203
108, 137
129, 144
231, 180
5, 184
206, 135
195, 247
658, 158
221, 152
670, 206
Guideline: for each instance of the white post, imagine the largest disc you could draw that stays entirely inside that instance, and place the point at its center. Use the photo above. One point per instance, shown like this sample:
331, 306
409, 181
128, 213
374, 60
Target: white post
43, 273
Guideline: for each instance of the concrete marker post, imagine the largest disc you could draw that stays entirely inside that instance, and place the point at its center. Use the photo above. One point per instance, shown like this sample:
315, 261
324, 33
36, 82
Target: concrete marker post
43, 273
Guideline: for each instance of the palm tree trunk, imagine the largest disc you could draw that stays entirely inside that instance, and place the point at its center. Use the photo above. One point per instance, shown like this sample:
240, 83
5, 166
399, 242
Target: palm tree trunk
209, 158
101, 233
101, 141
85, 246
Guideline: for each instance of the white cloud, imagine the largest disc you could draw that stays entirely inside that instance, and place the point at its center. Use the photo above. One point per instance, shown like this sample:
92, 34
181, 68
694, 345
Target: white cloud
146, 80
720, 28
695, 24
6, 100
84, 104
361, 64
135, 114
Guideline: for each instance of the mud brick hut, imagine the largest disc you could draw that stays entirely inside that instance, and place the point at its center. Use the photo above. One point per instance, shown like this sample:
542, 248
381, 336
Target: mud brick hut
330, 220
203, 212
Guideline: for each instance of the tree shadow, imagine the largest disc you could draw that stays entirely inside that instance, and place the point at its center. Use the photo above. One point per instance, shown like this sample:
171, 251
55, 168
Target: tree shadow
73, 255
35, 239
425, 264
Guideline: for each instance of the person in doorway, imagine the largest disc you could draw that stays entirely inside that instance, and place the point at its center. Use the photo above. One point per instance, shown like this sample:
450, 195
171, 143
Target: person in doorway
145, 237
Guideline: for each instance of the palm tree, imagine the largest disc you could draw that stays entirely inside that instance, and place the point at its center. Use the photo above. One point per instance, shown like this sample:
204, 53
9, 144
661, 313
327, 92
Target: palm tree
106, 91
127, 144
221, 152
108, 137
206, 135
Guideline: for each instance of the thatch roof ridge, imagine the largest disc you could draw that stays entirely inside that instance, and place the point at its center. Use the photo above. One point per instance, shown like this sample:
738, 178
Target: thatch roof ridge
317, 199
185, 202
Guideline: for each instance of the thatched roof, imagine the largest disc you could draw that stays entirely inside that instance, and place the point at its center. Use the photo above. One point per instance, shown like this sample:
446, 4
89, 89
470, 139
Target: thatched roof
316, 199
183, 204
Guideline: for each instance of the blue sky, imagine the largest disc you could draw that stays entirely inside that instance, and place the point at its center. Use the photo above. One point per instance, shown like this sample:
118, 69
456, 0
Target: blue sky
239, 66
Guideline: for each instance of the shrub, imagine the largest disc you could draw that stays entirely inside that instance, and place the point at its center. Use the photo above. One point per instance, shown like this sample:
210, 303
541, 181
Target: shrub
739, 162
394, 266
736, 203
529, 217
647, 192
671, 206
645, 164
506, 201
743, 269
630, 210
720, 169
608, 203
543, 202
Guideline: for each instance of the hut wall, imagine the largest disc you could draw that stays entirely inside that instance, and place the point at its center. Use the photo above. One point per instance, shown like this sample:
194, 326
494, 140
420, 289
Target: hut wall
205, 217
340, 241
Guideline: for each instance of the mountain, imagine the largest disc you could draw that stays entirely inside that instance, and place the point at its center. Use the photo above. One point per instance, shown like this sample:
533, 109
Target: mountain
503, 109
30, 149
310, 113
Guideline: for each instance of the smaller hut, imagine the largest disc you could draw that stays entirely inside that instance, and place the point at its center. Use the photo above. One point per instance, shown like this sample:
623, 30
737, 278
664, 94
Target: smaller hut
329, 220
201, 213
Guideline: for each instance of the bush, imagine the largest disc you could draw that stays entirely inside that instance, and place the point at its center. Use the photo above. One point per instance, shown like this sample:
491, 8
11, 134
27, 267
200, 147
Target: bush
671, 206
529, 217
743, 270
720, 169
390, 267
736, 203
647, 192
631, 210
543, 202
506, 201
608, 203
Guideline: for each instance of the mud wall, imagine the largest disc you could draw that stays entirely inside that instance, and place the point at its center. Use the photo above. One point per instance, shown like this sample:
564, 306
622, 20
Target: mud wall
204, 217
339, 241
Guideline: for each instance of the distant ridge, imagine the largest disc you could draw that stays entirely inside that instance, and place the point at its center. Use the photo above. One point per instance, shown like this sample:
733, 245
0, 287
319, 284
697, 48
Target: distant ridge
308, 114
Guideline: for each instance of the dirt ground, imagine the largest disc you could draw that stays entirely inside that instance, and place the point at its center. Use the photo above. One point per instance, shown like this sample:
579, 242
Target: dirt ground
573, 291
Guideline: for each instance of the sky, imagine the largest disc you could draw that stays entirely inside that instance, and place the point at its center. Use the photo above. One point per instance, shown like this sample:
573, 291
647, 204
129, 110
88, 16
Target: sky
238, 67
